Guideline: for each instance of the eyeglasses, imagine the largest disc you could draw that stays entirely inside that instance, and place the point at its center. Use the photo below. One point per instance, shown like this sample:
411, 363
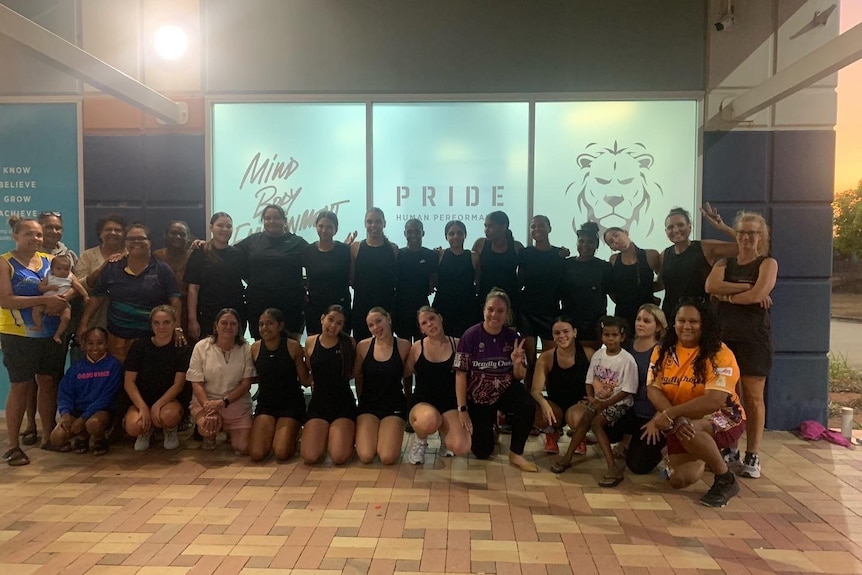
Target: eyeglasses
46, 214
748, 233
138, 239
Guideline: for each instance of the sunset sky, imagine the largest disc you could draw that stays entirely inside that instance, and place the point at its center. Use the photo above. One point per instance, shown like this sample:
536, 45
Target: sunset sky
848, 152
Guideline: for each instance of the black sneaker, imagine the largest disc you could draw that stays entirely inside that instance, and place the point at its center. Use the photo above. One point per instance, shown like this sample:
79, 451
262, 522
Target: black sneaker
723, 488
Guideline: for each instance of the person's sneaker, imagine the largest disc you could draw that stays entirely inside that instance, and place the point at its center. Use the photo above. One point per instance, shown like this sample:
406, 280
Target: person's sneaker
171, 439
731, 458
723, 488
416, 455
750, 466
444, 451
581, 449
142, 443
551, 445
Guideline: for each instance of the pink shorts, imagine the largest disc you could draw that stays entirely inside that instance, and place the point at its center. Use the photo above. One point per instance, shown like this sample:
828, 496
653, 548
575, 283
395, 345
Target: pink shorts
234, 416
724, 436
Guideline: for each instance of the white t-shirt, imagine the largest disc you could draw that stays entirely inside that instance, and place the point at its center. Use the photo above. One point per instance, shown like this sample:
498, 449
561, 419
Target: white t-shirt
221, 371
609, 374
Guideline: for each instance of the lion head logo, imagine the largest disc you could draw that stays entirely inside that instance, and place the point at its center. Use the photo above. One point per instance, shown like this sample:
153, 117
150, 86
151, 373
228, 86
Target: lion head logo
614, 186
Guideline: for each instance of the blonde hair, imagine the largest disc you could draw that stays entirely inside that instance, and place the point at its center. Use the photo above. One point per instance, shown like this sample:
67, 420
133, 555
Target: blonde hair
499, 293
658, 315
743, 216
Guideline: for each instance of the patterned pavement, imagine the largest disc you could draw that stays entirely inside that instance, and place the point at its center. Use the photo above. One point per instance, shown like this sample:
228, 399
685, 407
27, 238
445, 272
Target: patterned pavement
199, 512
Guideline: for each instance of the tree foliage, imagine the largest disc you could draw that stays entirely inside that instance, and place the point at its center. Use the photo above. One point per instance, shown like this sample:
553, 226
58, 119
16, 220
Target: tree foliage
848, 221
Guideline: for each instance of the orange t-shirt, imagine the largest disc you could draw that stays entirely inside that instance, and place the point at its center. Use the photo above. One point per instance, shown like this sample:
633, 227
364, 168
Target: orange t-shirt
675, 377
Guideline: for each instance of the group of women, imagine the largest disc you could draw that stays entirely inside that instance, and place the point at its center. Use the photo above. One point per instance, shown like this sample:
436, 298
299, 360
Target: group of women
279, 283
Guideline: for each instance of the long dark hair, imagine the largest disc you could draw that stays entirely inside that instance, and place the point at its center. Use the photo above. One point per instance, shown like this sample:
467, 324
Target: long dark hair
710, 340
345, 344
502, 219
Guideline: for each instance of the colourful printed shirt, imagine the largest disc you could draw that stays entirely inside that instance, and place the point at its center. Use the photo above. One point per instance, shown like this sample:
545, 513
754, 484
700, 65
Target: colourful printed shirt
609, 374
25, 282
487, 359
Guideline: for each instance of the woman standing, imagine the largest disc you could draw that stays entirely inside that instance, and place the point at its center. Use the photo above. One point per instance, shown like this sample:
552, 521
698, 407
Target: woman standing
176, 254
327, 268
220, 371
155, 382
281, 372
330, 425
434, 404
373, 271
489, 363
498, 258
274, 271
633, 273
743, 285
417, 274
540, 268
111, 232
692, 385
585, 286
561, 372
214, 275
686, 264
456, 281
133, 286
29, 354
382, 405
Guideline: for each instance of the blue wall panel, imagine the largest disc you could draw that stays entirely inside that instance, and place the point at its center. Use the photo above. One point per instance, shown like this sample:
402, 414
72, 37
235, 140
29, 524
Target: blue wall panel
797, 390
802, 239
736, 166
804, 169
800, 315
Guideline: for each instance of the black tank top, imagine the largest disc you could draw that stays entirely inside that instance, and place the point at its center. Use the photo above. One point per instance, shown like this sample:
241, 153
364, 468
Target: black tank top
567, 386
743, 323
631, 286
498, 270
684, 275
278, 384
435, 379
382, 387
330, 385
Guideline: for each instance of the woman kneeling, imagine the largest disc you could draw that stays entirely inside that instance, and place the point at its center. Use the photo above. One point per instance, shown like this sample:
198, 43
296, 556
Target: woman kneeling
281, 372
221, 370
692, 384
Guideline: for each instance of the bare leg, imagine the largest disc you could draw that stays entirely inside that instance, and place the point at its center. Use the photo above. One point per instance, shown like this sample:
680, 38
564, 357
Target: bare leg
342, 435
390, 436
284, 440
425, 419
367, 431
262, 432
315, 436
755, 410
46, 402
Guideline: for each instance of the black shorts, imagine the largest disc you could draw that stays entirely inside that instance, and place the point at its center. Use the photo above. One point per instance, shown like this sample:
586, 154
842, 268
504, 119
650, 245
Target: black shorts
384, 413
439, 402
535, 325
297, 414
754, 358
330, 412
26, 357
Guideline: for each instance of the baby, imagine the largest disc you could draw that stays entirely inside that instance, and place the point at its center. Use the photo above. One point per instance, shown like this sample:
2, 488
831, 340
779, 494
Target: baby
60, 279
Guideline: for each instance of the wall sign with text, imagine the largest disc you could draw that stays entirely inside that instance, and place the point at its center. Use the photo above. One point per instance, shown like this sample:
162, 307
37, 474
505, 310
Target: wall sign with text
39, 166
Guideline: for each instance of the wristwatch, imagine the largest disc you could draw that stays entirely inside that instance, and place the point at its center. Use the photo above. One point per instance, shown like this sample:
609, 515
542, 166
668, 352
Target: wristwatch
462, 408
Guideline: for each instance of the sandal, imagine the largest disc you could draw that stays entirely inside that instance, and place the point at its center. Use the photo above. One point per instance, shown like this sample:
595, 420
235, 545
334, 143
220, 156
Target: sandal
65, 448
29, 437
15, 457
100, 447
611, 480
80, 446
560, 466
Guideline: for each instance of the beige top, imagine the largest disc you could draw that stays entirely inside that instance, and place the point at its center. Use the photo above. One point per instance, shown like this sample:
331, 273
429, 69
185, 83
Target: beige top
89, 262
221, 371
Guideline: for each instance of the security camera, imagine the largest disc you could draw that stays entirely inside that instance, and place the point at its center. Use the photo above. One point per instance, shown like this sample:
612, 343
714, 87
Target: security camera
726, 21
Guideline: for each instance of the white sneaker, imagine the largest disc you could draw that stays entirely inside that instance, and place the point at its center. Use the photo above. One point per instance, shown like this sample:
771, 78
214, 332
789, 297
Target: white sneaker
416, 456
142, 443
445, 451
171, 439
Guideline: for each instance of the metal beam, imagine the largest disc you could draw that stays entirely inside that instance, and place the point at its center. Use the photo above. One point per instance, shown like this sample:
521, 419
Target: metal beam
825, 60
69, 58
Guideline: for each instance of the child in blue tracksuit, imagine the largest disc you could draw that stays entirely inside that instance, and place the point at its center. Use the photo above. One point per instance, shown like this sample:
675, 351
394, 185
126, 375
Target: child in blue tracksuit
86, 397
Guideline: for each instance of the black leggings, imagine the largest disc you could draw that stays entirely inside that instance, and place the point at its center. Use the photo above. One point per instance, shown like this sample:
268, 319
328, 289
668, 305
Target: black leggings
515, 401
641, 458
